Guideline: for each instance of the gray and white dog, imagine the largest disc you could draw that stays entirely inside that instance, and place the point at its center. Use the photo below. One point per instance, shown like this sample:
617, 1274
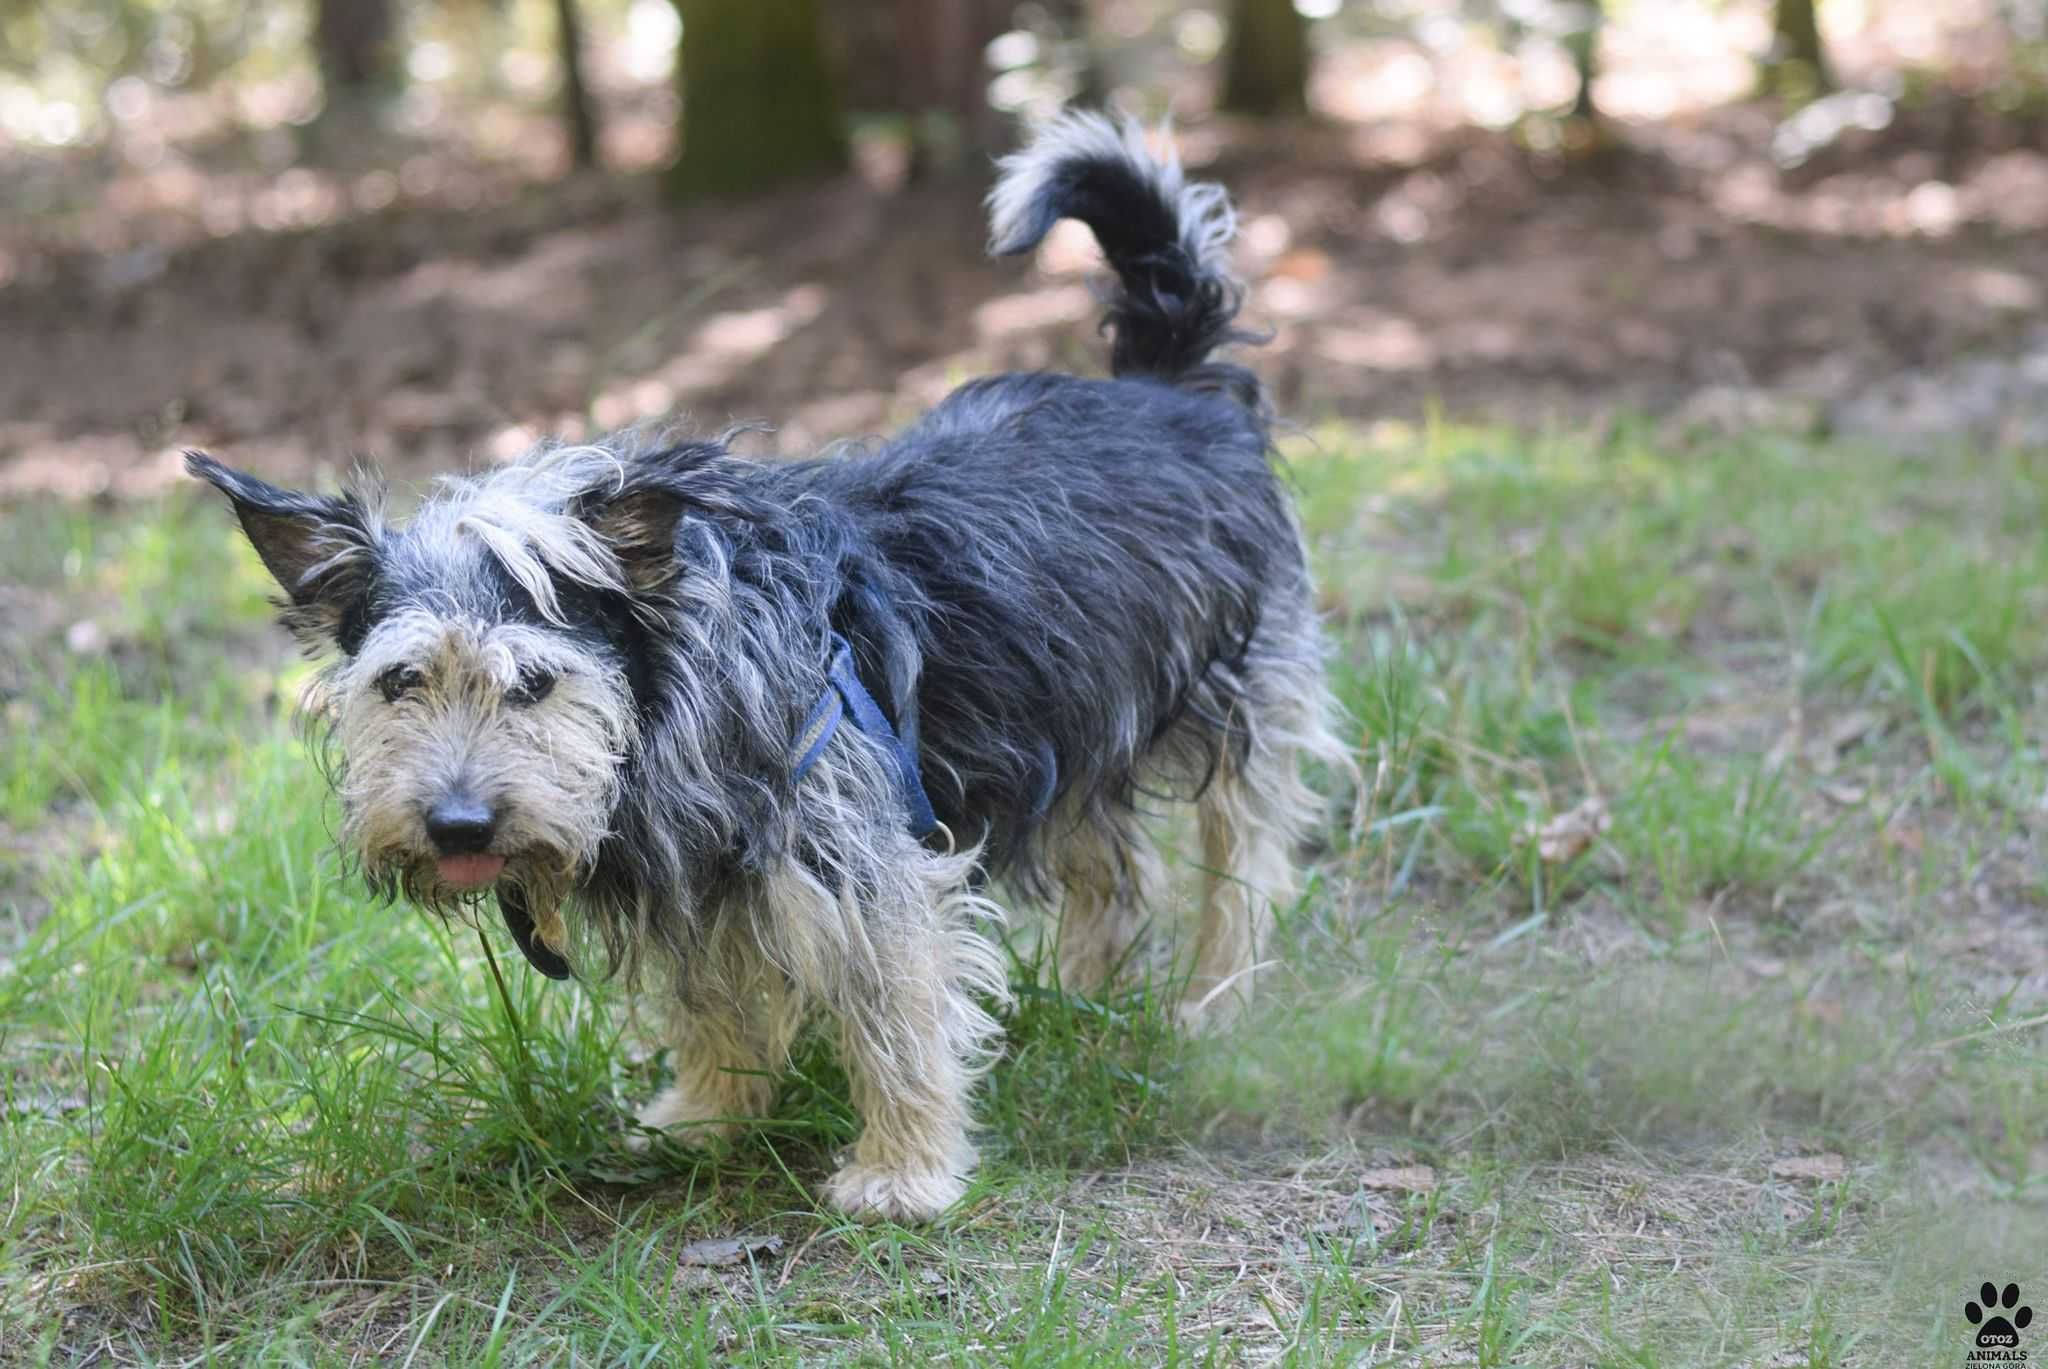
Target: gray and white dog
770, 729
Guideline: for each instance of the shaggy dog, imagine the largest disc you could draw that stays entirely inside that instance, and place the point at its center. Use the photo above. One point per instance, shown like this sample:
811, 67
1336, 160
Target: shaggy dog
771, 728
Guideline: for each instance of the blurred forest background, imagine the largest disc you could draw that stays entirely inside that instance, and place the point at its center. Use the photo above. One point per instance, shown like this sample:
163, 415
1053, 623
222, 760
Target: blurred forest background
428, 231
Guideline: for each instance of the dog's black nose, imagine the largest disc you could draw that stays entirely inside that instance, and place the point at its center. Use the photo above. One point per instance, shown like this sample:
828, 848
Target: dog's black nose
461, 825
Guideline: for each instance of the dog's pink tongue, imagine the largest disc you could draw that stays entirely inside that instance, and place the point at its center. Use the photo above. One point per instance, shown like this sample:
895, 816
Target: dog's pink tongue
470, 872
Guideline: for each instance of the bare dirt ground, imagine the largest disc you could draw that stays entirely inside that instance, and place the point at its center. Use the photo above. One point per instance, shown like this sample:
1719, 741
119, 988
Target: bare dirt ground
1681, 269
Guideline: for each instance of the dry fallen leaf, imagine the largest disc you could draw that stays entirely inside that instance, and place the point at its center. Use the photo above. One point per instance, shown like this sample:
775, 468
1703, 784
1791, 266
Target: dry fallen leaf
1847, 795
1819, 1169
1399, 1178
728, 1250
1852, 726
1565, 836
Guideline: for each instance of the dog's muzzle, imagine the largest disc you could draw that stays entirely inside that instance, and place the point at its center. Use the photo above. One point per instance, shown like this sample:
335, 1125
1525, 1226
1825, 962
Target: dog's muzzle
462, 828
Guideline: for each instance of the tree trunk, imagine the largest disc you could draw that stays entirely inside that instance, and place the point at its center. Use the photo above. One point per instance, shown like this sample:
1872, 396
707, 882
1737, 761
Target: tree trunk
861, 45
1797, 60
942, 75
1076, 18
577, 110
1265, 68
1584, 44
759, 106
353, 37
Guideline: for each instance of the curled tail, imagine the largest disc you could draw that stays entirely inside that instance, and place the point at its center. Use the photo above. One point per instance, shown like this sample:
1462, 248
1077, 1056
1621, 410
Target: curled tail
1168, 242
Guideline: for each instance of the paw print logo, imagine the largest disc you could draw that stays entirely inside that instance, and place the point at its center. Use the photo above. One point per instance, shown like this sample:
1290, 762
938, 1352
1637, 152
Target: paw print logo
1995, 1329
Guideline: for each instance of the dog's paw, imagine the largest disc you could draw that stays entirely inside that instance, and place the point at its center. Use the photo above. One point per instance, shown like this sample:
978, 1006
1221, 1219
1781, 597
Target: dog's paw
1206, 1015
894, 1195
684, 1118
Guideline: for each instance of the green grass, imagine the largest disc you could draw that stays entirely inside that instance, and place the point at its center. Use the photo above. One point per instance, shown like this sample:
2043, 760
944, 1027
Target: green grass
1499, 1109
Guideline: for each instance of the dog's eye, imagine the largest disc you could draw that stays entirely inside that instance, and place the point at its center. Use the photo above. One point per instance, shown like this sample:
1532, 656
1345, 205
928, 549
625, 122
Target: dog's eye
534, 685
398, 682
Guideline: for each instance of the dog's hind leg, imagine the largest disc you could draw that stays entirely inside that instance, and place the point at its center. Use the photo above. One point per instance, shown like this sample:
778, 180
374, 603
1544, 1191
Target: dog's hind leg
1111, 879
1252, 818
895, 954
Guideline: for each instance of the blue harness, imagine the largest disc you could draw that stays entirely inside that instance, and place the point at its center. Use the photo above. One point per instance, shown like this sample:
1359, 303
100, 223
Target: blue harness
846, 696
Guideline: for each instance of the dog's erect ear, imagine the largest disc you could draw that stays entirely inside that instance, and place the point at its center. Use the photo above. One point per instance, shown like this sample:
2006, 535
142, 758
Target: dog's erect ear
638, 515
639, 525
320, 549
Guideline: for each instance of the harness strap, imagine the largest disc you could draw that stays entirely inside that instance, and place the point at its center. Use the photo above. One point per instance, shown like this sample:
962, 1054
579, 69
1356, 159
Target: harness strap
845, 695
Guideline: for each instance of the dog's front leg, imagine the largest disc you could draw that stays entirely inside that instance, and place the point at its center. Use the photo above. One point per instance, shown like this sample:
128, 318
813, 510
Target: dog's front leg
727, 1040
896, 953
720, 1078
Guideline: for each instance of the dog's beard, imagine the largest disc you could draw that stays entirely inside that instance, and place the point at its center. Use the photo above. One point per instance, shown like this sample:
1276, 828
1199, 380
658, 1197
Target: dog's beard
529, 891
540, 877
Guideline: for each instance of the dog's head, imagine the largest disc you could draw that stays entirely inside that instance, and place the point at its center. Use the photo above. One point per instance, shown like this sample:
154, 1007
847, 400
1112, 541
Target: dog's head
479, 697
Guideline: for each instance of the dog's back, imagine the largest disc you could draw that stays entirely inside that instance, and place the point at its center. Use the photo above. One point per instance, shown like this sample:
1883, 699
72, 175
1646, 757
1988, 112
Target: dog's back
1097, 575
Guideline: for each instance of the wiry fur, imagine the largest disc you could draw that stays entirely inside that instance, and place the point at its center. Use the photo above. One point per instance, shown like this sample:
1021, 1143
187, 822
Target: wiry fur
1075, 598
1167, 241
